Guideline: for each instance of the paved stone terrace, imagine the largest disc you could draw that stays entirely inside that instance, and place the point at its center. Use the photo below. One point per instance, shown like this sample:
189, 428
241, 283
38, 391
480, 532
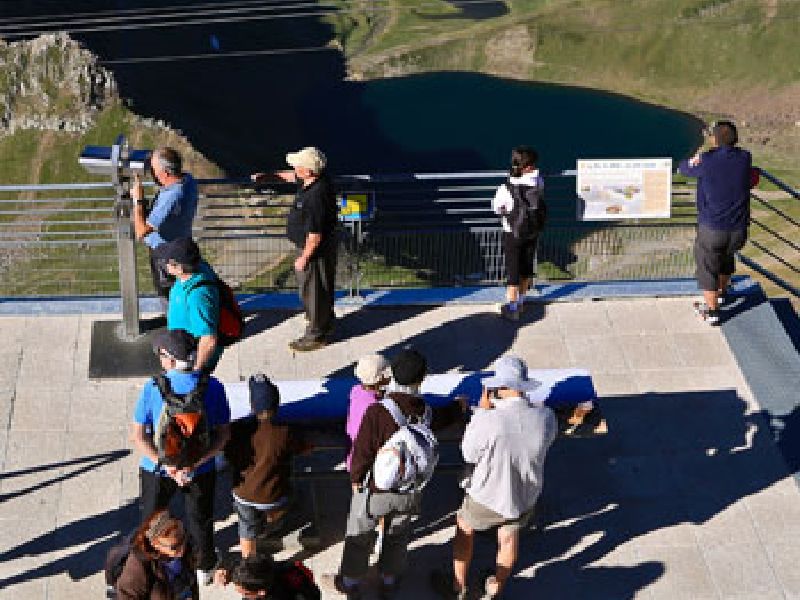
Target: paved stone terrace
687, 497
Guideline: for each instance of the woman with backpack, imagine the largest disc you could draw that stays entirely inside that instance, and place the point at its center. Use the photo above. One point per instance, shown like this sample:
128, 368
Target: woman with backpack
161, 562
520, 204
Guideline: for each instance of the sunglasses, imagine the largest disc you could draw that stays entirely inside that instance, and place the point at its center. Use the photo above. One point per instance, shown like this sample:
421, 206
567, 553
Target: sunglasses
174, 547
171, 547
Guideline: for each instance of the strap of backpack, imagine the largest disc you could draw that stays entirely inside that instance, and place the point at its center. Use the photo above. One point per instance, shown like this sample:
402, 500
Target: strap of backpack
205, 283
427, 416
171, 398
200, 389
394, 410
163, 385
513, 189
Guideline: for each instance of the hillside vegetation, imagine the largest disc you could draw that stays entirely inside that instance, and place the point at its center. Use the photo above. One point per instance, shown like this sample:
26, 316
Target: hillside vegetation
712, 58
54, 100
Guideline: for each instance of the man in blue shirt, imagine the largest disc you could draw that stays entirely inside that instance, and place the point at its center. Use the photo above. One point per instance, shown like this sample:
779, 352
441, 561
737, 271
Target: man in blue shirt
176, 350
193, 299
172, 212
725, 176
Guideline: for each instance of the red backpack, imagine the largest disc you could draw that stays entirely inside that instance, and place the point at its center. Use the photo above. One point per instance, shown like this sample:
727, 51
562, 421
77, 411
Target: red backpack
231, 319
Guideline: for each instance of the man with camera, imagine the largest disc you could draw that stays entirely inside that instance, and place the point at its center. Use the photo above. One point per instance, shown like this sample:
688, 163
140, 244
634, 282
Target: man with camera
724, 177
505, 443
171, 212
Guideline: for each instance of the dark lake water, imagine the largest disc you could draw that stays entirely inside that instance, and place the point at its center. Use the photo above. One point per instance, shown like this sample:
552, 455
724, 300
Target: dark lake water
245, 113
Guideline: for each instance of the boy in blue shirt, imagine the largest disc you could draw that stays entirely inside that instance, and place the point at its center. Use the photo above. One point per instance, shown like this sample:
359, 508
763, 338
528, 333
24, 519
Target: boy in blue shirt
176, 350
194, 303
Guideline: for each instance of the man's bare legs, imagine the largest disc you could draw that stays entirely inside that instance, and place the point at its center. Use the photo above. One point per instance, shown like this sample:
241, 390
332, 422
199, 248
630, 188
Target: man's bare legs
462, 554
723, 281
711, 297
516, 292
507, 551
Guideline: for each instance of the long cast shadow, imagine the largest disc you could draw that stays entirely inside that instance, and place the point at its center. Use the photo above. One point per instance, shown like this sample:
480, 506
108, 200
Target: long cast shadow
89, 463
669, 459
99, 531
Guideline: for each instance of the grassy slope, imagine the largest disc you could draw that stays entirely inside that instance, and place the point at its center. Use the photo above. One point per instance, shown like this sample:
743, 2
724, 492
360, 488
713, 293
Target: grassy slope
708, 57
52, 157
49, 157
712, 58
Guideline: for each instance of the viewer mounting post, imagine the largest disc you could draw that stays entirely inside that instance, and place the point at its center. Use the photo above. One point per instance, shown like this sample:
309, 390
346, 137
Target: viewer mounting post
126, 240
121, 348
120, 162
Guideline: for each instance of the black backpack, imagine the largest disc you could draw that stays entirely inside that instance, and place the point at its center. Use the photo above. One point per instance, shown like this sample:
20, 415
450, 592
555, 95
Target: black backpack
115, 562
182, 434
529, 212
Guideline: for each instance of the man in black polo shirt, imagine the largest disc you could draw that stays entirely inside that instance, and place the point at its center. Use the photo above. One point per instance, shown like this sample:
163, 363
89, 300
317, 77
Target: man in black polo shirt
311, 226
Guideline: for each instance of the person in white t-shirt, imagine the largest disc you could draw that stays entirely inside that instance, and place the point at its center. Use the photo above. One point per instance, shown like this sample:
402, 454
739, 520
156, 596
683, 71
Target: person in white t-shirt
520, 203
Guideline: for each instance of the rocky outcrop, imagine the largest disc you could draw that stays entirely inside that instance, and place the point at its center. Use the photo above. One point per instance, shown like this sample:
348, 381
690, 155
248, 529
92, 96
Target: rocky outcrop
51, 83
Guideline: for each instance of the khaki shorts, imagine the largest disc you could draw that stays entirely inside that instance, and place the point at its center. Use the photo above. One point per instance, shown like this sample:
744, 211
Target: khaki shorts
481, 518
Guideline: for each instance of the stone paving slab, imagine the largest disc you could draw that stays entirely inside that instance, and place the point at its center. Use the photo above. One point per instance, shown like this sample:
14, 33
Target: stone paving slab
686, 497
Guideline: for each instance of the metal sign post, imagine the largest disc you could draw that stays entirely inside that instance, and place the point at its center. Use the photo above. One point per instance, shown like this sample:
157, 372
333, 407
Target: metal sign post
355, 208
126, 240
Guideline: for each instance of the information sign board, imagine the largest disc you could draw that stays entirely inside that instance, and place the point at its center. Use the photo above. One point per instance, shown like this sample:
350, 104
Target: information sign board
630, 188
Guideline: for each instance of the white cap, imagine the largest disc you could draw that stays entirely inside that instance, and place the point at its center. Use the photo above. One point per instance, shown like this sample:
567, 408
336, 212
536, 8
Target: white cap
512, 373
309, 158
371, 368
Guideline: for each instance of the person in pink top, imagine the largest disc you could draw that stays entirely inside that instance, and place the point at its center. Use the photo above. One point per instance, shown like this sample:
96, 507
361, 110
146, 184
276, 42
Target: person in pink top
374, 374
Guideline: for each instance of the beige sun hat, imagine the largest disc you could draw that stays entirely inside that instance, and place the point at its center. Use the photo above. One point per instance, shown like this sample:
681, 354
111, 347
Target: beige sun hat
371, 368
309, 158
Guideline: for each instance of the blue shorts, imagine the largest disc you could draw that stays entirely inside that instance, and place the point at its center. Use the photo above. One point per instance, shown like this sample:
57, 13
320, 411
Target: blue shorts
252, 520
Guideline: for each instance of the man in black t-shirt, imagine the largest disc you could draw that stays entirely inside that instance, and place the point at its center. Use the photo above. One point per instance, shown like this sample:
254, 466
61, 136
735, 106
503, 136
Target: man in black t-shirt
311, 226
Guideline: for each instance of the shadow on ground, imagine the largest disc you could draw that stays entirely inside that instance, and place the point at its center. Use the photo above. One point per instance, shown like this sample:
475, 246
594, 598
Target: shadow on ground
473, 342
264, 320
668, 459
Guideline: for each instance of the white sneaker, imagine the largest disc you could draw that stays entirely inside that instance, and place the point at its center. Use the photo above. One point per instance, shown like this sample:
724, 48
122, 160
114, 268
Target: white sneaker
706, 314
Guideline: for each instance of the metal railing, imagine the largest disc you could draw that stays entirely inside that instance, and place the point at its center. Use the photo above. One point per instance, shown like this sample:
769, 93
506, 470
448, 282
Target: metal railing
430, 229
773, 250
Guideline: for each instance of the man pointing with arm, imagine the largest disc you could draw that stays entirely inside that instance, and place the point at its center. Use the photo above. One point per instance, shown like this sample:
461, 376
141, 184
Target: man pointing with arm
311, 227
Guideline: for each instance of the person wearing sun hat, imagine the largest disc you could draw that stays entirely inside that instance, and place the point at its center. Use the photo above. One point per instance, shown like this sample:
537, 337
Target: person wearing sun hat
373, 374
505, 442
311, 227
